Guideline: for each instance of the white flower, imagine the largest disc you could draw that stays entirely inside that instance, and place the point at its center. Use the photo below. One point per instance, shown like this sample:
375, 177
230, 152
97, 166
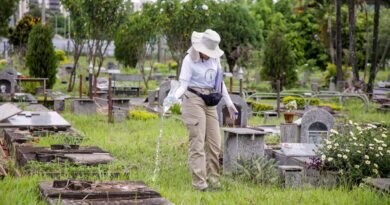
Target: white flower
328, 142
357, 166
359, 128
334, 131
376, 155
351, 133
384, 136
375, 165
336, 144
388, 151
380, 153
375, 171
371, 125
380, 148
161, 10
329, 147
323, 157
347, 150
366, 157
339, 155
362, 145
205, 7
330, 159
370, 145
384, 145
355, 144
345, 157
341, 171
371, 148
359, 151
368, 162
350, 122
354, 138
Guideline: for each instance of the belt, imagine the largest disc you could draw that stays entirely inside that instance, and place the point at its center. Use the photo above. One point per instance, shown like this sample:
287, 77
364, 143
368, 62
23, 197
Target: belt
194, 91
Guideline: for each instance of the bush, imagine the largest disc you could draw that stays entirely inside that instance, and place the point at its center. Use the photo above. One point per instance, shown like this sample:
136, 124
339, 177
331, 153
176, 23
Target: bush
258, 107
176, 109
142, 115
331, 71
258, 170
361, 152
60, 55
301, 101
333, 106
41, 59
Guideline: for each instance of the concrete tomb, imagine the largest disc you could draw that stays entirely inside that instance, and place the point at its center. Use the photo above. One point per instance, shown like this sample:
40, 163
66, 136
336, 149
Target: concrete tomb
83, 107
79, 192
241, 143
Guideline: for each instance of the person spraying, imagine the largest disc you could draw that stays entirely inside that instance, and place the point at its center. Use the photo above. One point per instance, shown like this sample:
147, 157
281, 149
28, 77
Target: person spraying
201, 88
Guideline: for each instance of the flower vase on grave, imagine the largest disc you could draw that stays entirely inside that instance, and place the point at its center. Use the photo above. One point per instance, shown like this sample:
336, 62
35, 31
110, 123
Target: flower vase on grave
289, 117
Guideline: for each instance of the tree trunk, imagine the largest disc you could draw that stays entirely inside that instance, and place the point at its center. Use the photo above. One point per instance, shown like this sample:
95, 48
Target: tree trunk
367, 42
384, 54
231, 63
370, 85
338, 41
352, 51
331, 46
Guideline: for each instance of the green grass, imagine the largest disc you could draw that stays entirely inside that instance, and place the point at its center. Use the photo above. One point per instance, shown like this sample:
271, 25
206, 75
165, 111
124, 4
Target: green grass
133, 147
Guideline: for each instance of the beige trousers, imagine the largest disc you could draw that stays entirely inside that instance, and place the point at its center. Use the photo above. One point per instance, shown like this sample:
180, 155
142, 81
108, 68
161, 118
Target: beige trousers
204, 139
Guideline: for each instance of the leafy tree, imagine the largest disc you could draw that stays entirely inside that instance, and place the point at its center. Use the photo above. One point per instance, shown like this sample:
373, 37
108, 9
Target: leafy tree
136, 39
239, 34
279, 62
178, 20
78, 34
41, 59
102, 19
7, 8
18, 36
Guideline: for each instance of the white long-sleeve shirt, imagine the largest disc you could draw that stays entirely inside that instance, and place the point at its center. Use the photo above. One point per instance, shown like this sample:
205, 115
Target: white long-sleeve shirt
201, 74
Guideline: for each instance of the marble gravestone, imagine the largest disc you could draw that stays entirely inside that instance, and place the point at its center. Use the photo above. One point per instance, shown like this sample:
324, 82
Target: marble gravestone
315, 125
223, 113
165, 87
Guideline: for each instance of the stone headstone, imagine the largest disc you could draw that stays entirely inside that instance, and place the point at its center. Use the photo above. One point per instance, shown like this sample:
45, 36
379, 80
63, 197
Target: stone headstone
59, 105
83, 107
7, 81
314, 87
241, 106
315, 125
289, 133
163, 91
111, 66
291, 176
243, 144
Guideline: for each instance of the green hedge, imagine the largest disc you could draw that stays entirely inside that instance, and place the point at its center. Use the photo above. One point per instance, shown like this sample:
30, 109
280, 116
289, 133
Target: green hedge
142, 115
301, 101
334, 107
258, 107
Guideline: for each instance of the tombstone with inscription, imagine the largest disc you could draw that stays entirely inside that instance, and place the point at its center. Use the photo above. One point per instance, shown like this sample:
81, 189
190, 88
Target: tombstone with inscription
223, 112
315, 125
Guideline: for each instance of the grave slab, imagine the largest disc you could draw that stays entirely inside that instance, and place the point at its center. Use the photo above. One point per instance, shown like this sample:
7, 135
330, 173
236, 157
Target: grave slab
382, 184
71, 192
8, 110
83, 107
70, 153
36, 119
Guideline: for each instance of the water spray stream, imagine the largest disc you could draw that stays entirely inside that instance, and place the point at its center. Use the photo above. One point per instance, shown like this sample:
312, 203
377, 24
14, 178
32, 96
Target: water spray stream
157, 156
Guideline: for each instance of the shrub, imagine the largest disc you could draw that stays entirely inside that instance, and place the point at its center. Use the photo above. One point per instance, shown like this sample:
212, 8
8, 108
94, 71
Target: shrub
334, 107
142, 115
41, 59
258, 107
3, 62
258, 170
331, 71
176, 109
301, 101
60, 55
358, 153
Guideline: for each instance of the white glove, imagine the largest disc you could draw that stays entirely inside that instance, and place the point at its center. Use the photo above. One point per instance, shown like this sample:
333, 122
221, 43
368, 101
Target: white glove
168, 102
233, 113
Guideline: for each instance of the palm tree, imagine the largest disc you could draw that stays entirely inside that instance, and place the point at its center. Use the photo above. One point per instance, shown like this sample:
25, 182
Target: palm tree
374, 58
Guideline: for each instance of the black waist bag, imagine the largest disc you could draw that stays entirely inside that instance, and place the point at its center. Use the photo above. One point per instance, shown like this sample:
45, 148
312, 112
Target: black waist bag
211, 99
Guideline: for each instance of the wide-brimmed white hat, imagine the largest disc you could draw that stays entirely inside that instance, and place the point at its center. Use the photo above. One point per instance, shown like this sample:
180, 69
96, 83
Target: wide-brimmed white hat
207, 43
